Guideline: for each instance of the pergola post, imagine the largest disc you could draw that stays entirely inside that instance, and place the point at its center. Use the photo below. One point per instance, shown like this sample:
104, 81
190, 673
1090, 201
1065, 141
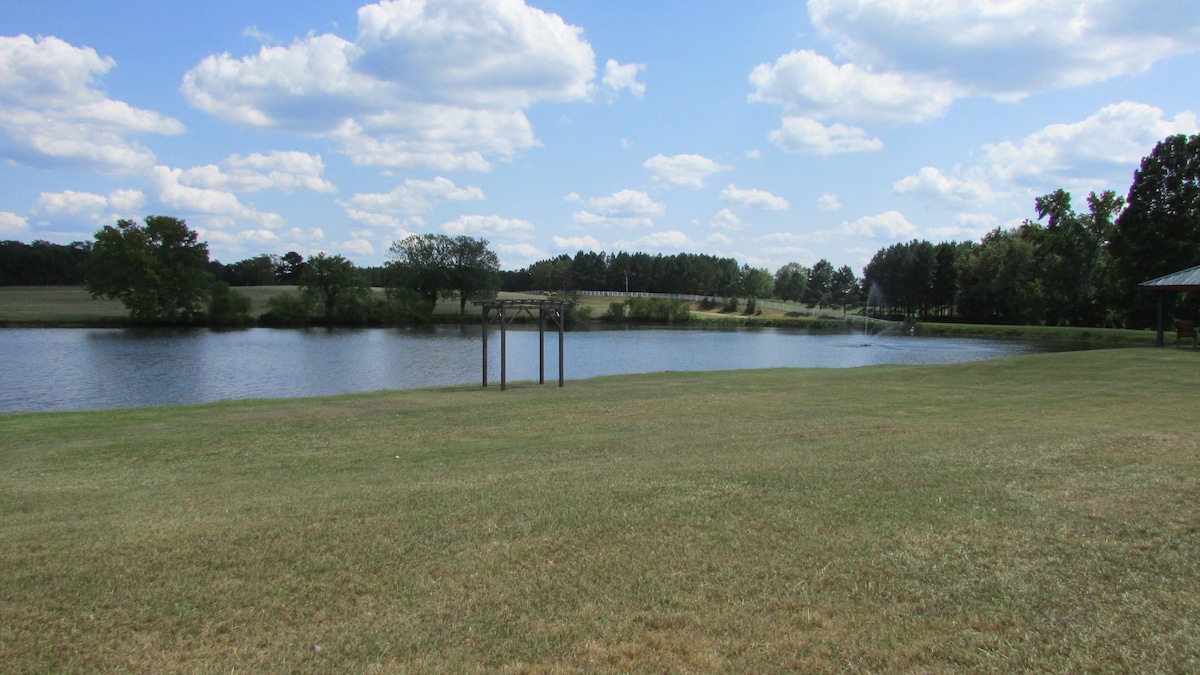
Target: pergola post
508, 310
486, 319
1158, 340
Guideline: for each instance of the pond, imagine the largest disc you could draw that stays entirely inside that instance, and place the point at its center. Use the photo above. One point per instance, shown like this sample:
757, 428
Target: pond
96, 369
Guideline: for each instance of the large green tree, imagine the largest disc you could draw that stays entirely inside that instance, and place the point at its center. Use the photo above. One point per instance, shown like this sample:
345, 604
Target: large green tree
334, 284
434, 265
159, 270
791, 280
1159, 231
474, 270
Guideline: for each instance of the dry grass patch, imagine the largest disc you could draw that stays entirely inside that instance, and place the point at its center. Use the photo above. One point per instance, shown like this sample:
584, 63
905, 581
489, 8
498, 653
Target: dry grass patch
1037, 513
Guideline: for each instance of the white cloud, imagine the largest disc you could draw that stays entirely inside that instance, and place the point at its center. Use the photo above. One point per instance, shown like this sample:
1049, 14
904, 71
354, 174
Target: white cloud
688, 171
360, 247
12, 225
488, 225
52, 115
440, 83
801, 134
1115, 138
891, 224
755, 199
88, 208
726, 220
618, 77
626, 208
514, 256
584, 243
966, 227
218, 207
932, 184
1012, 48
412, 197
673, 240
807, 84
286, 171
1097, 153
829, 202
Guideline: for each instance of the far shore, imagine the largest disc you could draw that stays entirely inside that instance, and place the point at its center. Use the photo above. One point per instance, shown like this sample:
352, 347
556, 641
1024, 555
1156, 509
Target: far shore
72, 307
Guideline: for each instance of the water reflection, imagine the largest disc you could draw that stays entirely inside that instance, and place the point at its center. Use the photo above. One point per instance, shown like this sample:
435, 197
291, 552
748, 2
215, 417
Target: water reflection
88, 369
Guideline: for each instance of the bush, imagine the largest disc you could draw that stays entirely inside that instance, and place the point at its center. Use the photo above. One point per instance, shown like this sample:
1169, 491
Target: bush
616, 310
404, 305
751, 306
731, 305
287, 309
227, 307
658, 309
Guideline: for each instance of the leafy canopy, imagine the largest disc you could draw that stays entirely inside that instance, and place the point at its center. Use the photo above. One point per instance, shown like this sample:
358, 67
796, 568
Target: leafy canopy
157, 270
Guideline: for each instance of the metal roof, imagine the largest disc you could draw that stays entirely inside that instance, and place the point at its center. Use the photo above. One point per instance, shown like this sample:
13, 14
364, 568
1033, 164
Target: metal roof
1186, 280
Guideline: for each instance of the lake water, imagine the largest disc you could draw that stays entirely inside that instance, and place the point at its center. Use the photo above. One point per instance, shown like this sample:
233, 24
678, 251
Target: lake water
95, 369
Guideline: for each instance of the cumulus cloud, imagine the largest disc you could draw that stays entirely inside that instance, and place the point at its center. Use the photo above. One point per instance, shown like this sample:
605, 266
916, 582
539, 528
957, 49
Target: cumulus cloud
808, 84
518, 255
477, 226
891, 224
12, 225
801, 134
626, 208
672, 240
726, 220
1009, 49
1096, 153
688, 171
584, 243
907, 62
829, 202
218, 208
286, 171
70, 206
618, 77
410, 198
931, 183
1117, 135
52, 115
434, 83
754, 199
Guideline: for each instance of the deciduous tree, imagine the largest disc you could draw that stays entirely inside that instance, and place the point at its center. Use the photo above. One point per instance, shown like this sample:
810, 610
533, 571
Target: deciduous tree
157, 270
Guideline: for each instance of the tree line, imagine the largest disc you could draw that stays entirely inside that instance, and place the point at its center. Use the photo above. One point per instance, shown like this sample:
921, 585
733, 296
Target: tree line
1066, 267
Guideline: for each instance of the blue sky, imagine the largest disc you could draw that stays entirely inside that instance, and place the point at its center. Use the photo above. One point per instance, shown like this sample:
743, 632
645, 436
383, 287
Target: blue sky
769, 131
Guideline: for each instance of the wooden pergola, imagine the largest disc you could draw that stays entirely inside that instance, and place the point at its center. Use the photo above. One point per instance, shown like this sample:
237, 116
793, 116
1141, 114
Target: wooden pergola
1178, 282
507, 311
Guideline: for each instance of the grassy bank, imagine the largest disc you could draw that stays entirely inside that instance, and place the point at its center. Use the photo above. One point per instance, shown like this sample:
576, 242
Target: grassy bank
1038, 513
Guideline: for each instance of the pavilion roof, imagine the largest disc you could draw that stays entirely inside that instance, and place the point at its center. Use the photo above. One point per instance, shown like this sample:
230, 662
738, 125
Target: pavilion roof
1184, 280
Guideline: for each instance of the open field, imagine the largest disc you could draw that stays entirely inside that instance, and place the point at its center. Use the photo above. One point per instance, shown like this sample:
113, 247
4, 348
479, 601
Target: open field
1039, 513
71, 305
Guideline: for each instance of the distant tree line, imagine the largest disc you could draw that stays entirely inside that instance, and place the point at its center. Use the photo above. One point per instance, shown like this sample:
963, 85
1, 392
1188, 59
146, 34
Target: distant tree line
1067, 267
42, 263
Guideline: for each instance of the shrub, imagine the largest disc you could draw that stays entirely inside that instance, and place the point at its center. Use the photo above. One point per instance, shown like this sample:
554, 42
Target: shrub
287, 309
227, 307
658, 309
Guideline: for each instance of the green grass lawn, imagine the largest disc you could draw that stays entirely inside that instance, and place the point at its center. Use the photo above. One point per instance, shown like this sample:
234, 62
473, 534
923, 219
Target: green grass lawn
1039, 513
